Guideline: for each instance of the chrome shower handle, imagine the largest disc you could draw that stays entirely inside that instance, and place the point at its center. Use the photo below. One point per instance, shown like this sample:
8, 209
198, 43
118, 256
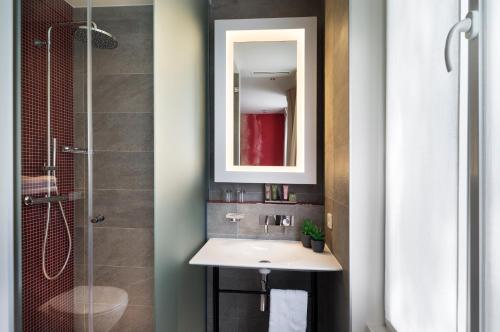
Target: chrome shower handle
469, 25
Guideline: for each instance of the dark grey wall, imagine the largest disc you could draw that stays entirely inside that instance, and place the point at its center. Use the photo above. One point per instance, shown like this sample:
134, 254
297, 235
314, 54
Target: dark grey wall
237, 9
123, 159
335, 297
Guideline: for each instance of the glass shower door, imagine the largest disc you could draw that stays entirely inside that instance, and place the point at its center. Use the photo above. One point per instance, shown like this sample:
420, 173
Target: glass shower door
119, 126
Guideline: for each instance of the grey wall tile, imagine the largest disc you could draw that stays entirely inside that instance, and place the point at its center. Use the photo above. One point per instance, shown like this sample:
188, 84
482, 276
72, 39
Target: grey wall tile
125, 208
137, 282
121, 13
249, 227
122, 208
80, 246
123, 170
136, 318
128, 132
134, 55
131, 132
123, 93
219, 226
132, 247
122, 27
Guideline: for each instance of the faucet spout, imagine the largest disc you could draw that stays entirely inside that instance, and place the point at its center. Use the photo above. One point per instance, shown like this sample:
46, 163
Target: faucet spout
266, 225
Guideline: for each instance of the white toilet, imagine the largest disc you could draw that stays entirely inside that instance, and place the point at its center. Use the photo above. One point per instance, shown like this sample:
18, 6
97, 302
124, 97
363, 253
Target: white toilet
109, 305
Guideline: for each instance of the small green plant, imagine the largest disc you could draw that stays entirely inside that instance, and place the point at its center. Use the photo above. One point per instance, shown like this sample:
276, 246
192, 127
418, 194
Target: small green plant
317, 234
307, 227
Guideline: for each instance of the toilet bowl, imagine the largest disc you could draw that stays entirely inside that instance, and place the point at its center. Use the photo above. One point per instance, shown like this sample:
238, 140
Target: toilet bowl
109, 305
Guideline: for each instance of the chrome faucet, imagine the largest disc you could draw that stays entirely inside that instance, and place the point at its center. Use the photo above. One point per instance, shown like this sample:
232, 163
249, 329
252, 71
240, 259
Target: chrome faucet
276, 220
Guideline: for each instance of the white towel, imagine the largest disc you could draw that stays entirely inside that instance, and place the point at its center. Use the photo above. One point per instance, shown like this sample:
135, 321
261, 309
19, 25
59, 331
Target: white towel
288, 311
38, 185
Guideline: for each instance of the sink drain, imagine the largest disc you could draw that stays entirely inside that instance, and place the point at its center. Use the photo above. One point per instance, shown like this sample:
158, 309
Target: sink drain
264, 261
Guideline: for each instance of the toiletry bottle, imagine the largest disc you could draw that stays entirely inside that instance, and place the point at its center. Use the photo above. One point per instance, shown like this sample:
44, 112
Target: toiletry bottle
285, 192
241, 196
274, 192
267, 192
227, 196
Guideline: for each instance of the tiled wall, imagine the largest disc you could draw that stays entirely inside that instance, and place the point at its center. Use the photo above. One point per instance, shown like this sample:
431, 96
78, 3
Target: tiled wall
249, 228
241, 312
37, 16
123, 160
335, 298
230, 9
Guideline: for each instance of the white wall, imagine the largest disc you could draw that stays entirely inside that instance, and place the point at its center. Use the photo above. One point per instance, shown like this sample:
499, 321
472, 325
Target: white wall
367, 168
6, 166
262, 95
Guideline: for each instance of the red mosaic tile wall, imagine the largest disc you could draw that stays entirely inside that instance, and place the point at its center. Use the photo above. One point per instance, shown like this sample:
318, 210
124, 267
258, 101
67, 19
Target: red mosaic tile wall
37, 16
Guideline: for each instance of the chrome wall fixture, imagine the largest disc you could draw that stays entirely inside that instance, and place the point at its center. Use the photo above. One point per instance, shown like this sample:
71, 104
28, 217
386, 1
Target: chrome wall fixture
101, 40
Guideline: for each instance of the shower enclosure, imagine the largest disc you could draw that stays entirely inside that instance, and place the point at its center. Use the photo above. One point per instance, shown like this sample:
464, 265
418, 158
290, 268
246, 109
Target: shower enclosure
86, 87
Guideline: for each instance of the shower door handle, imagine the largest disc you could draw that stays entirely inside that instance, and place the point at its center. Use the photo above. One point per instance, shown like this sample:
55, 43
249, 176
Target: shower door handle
99, 219
469, 25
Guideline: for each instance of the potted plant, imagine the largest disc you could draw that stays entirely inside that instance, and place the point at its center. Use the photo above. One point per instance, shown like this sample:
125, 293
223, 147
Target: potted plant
317, 240
305, 234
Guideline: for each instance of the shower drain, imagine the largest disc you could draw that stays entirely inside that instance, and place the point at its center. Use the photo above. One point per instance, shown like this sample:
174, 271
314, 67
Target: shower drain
264, 261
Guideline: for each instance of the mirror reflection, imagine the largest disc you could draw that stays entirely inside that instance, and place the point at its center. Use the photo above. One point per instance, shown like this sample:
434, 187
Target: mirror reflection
265, 93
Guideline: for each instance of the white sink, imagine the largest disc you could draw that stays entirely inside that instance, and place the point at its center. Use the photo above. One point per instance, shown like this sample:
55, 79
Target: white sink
264, 254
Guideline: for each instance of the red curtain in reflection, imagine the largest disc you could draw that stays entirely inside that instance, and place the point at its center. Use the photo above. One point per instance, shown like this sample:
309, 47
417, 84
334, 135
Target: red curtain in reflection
262, 139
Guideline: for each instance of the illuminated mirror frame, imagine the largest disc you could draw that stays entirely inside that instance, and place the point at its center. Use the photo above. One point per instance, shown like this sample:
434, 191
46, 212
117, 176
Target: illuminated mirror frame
303, 30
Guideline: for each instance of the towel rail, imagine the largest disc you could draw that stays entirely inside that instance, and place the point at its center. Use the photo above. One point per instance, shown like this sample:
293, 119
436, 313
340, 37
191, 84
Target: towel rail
216, 290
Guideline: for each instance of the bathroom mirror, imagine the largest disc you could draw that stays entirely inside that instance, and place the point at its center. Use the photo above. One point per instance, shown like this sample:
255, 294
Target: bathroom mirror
265, 101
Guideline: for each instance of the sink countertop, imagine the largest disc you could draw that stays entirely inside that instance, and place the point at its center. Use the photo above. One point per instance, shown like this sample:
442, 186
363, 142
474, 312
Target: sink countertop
280, 254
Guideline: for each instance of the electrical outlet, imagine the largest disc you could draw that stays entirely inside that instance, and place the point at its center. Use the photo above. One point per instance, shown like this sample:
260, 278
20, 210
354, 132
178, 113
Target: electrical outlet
329, 220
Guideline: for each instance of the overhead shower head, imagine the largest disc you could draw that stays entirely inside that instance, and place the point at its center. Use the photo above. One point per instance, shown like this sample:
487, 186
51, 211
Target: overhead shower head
100, 39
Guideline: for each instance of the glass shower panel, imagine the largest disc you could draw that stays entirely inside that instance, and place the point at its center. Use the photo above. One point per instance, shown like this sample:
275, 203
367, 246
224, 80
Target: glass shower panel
53, 140
423, 216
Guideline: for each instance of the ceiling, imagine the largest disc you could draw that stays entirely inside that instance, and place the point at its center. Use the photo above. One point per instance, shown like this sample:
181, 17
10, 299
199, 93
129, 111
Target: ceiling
109, 3
278, 56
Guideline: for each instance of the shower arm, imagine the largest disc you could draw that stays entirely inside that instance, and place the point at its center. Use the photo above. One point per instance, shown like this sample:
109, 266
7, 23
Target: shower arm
65, 24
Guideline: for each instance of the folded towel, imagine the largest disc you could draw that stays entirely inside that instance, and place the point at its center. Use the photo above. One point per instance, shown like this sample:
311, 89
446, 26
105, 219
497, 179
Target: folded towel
288, 311
38, 184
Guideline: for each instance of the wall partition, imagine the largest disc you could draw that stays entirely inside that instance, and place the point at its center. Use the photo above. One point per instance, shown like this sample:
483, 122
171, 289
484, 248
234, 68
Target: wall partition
180, 30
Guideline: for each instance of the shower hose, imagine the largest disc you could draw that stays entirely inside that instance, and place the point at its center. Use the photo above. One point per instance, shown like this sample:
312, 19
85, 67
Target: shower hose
47, 223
